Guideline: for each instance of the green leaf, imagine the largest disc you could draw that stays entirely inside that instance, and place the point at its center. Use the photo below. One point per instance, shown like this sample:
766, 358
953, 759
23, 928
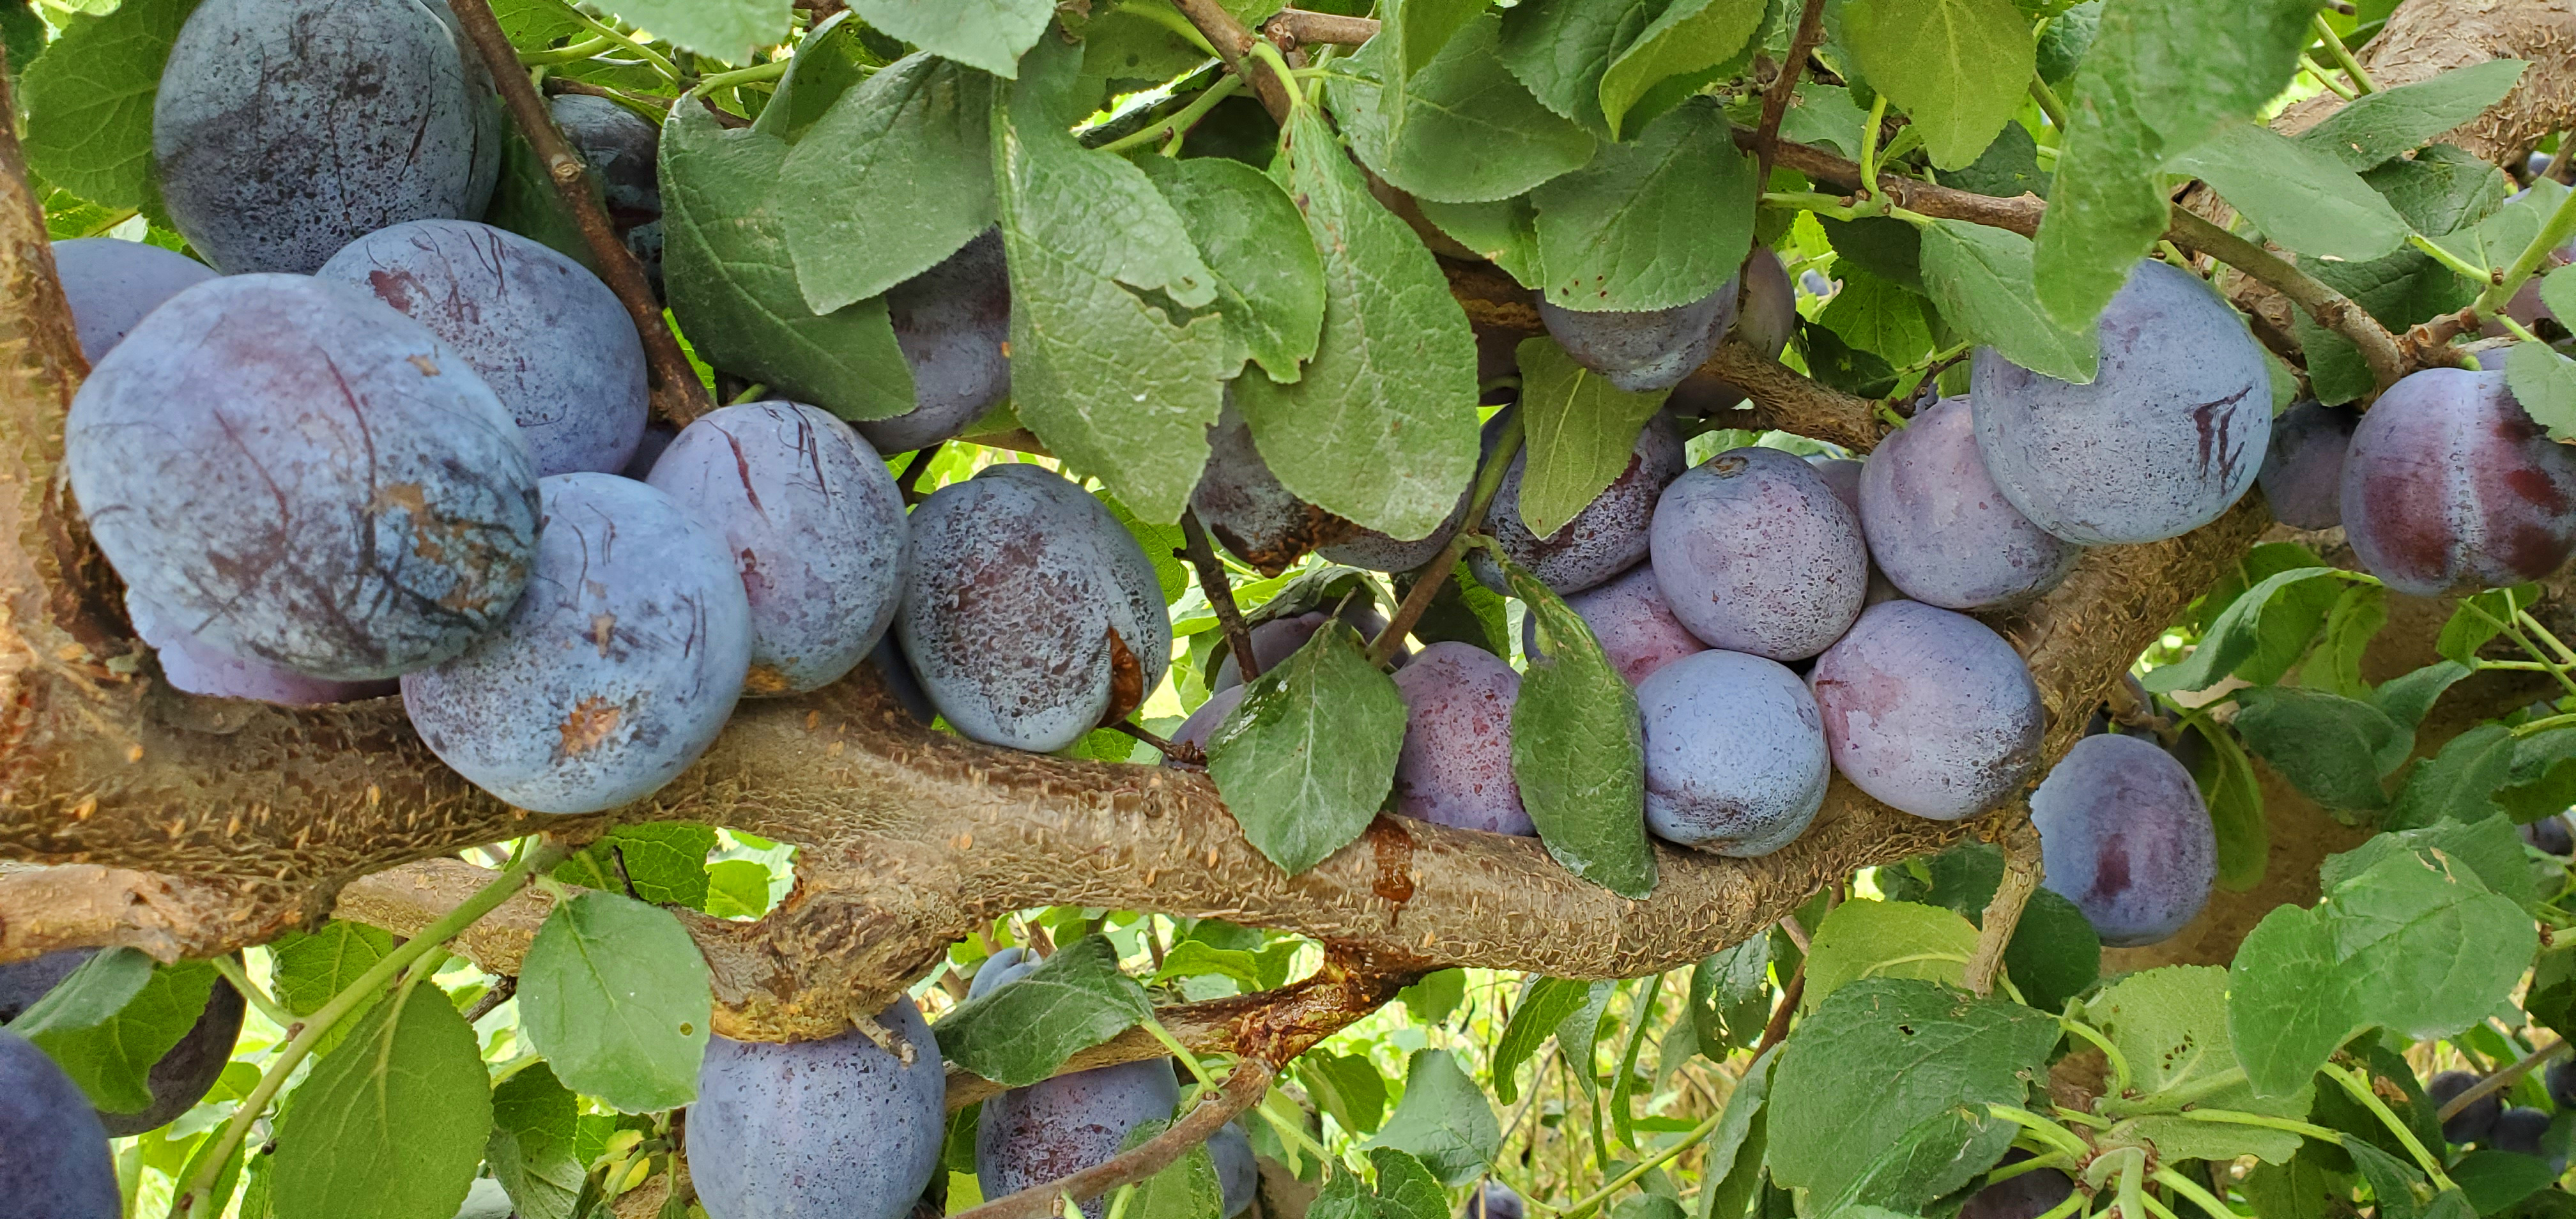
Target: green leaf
2459, 783
1730, 997
1548, 1003
391, 1124
729, 30
1460, 130
307, 970
1578, 1036
733, 288
2008, 167
987, 34
1579, 430
1419, 29
1269, 276
2485, 845
1431, 1000
1020, 1033
2558, 292
1562, 49
2171, 1026
1879, 317
2399, 290
1918, 1052
91, 995
1674, 51
2054, 954
2492, 1180
2234, 794
2408, 696
1381, 429
1731, 1163
1098, 371
615, 995
2300, 196
737, 888
2440, 189
1959, 68
2159, 78
1309, 756
1406, 1188
88, 102
531, 1149
2479, 619
112, 1057
1443, 1120
1186, 1189
1887, 939
2358, 613
1825, 114
1980, 278
1661, 222
1579, 748
894, 177
2374, 127
2231, 638
2544, 382
1346, 1086
666, 861
2332, 748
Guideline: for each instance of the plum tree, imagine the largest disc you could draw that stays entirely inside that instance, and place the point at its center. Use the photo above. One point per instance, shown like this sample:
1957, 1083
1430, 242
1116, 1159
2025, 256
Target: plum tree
1610, 535
2449, 484
54, 1157
1248, 512
953, 323
1456, 764
1755, 554
2169, 434
2302, 476
179, 1078
1928, 710
1047, 1131
1030, 614
1642, 351
614, 671
1940, 529
192, 665
1766, 318
111, 284
1634, 626
2473, 1123
2125, 836
840, 1126
1273, 642
284, 129
544, 333
1735, 753
814, 521
624, 152
2027, 1196
1238, 1174
304, 477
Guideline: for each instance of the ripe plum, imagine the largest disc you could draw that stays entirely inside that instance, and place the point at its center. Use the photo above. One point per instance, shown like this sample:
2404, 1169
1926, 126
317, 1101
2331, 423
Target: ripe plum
1643, 350
1636, 629
2473, 1123
1493, 1200
953, 323
1755, 554
54, 1157
2519, 1130
1766, 318
1939, 528
1237, 1174
183, 1074
1607, 537
1000, 969
624, 151
1273, 642
1735, 753
2124, 835
1053, 1129
1929, 710
836, 1127
2302, 473
191, 665
2450, 485
2027, 1196
1456, 764
112, 284
1247, 511
1203, 722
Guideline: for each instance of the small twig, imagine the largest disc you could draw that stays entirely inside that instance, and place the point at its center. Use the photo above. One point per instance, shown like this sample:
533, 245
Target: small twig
492, 999
1295, 27
1789, 996
913, 470
1775, 100
2499, 1081
1241, 1091
1220, 595
231, 969
2330, 308
1418, 600
677, 393
2003, 913
1142, 733
1233, 44
1796, 931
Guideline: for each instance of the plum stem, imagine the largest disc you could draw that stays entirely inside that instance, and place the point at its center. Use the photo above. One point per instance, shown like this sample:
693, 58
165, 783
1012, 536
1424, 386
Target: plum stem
1690, 1139
2460, 266
2360, 76
2048, 1132
2047, 100
1220, 594
2003, 913
1869, 128
2553, 233
1178, 123
661, 63
2120, 1077
1232, 43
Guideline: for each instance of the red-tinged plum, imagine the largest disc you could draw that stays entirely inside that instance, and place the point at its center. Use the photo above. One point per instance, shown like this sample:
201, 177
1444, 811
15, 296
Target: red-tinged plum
815, 523
1051, 1130
1610, 534
2476, 1120
542, 331
2125, 836
54, 1157
1929, 710
304, 477
285, 129
2028, 1196
1456, 764
1766, 318
1201, 725
616, 669
837, 1127
183, 1074
2302, 474
1755, 554
1647, 350
624, 151
953, 323
2169, 434
2450, 485
196, 668
1494, 1200
1939, 528
1237, 1174
111, 284
1634, 626
1735, 753
1030, 614
1273, 642
1247, 511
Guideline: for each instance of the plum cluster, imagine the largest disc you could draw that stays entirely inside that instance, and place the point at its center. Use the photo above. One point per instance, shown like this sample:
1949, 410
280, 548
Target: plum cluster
2495, 1125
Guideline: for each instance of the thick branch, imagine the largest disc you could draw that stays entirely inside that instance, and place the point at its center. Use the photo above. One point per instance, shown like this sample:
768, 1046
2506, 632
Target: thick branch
1242, 1090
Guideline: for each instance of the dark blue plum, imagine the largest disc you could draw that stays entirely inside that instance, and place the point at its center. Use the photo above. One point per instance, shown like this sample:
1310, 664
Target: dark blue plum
54, 1158
1755, 554
301, 476
2027, 1196
1247, 511
1609, 536
1735, 753
1493, 1200
1766, 318
2302, 474
953, 323
1000, 969
2551, 836
183, 1074
899, 678
624, 151
614, 672
2560, 1079
2519, 1131
1634, 626
1456, 764
2169, 434
838, 1127
1237, 1173
541, 330
1929, 710
1203, 722
1051, 1130
2124, 835
2449, 485
813, 519
285, 129
1273, 642
1644, 350
1941, 531
2471, 1124
1029, 612
112, 284
191, 665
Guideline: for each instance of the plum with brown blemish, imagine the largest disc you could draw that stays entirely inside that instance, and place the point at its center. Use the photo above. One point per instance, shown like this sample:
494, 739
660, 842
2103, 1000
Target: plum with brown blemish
1735, 753
111, 284
2302, 476
1941, 531
1754, 553
1247, 511
2449, 485
1608, 536
1030, 614
1456, 764
285, 129
815, 524
298, 475
2124, 835
1928, 710
2168, 435
953, 325
616, 670
840, 1127
544, 333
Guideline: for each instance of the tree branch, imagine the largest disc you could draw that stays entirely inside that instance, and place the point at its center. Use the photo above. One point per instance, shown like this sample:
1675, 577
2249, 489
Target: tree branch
1775, 99
2020, 843
1233, 44
1241, 1091
1295, 27
1220, 595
